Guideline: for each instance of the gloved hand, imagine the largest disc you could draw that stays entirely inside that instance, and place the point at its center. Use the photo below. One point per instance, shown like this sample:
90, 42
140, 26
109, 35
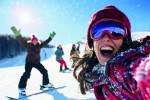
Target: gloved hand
51, 35
15, 31
143, 79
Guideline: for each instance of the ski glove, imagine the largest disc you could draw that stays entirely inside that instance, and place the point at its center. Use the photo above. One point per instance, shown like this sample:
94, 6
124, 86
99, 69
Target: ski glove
51, 35
15, 31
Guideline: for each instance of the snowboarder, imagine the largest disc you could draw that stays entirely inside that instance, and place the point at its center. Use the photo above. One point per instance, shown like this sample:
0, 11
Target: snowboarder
33, 48
59, 53
117, 68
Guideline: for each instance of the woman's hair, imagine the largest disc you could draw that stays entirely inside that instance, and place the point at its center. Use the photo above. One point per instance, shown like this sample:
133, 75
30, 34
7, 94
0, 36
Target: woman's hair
73, 49
85, 65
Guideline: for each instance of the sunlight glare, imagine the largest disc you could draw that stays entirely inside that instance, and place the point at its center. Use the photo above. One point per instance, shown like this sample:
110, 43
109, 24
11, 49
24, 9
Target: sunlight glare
25, 18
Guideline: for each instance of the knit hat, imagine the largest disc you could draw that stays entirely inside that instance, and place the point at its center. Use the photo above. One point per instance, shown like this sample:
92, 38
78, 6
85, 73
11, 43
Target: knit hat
73, 45
34, 38
59, 46
108, 13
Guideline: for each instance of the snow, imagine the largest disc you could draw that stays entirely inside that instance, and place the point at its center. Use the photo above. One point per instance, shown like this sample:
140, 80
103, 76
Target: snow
11, 70
138, 35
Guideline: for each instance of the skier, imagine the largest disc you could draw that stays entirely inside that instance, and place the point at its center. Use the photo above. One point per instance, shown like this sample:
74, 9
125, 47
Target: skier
74, 54
117, 68
33, 48
59, 53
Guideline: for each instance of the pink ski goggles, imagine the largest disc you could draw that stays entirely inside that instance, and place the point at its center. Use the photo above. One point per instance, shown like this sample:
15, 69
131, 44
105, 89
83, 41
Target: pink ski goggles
114, 29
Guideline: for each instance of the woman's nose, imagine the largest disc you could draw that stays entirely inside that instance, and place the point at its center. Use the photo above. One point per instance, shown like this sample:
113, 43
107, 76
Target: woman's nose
106, 37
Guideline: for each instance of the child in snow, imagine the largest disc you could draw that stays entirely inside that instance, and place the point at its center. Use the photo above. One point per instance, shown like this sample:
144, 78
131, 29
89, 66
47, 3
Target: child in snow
33, 48
117, 68
74, 54
59, 53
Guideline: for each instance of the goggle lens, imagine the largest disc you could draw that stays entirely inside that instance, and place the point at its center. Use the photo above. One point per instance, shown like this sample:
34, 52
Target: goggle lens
114, 29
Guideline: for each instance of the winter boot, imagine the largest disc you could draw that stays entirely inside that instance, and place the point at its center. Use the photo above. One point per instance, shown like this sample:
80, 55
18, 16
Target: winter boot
61, 70
22, 91
66, 68
50, 85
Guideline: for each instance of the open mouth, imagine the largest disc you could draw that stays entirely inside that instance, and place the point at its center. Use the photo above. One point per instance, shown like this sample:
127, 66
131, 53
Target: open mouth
107, 51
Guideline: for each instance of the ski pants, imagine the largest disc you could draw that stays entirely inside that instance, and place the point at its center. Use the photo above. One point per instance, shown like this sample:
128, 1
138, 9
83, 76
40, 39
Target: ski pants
62, 62
26, 74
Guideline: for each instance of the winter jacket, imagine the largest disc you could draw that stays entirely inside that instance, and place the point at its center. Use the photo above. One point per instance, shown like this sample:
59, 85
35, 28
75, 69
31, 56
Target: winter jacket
74, 54
33, 51
59, 53
120, 82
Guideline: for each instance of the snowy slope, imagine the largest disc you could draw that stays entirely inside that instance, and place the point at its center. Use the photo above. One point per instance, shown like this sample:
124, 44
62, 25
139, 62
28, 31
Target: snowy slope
138, 35
12, 69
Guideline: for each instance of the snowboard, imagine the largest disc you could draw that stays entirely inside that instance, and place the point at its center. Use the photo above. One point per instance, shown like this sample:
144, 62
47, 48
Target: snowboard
28, 95
66, 71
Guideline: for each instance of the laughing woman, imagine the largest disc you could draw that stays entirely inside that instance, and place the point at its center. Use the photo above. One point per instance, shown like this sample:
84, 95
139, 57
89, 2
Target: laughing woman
117, 68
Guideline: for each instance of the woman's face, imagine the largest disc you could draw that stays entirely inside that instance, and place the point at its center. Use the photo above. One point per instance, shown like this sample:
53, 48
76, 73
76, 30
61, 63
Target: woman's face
106, 47
34, 42
59, 47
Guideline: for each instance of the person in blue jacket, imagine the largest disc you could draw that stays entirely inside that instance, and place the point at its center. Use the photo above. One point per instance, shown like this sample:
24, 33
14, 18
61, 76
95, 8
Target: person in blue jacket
59, 53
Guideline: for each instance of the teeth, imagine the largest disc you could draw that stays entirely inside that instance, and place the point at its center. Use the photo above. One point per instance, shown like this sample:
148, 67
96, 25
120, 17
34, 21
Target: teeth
106, 48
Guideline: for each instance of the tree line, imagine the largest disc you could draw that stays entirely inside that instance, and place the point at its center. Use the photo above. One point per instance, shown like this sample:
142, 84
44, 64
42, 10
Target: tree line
10, 47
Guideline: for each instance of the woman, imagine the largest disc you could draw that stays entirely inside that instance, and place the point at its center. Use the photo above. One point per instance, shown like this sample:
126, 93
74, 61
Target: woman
74, 54
33, 48
118, 67
59, 53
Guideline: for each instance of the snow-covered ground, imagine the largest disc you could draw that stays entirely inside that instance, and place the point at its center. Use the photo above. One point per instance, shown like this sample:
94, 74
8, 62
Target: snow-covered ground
12, 69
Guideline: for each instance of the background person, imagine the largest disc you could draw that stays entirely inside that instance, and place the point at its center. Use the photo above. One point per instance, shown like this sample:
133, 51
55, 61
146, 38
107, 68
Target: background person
59, 53
74, 54
33, 48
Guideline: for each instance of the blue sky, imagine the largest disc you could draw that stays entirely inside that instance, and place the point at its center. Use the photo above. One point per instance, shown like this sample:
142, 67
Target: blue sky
68, 18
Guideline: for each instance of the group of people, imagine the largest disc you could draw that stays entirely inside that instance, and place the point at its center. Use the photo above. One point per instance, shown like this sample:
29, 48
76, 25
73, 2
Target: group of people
116, 67
74, 56
33, 48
